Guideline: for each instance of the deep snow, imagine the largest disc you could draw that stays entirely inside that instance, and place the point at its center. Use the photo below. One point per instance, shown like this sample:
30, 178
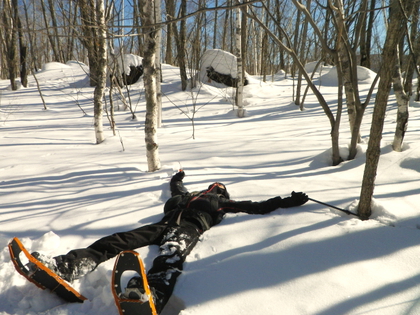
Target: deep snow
61, 191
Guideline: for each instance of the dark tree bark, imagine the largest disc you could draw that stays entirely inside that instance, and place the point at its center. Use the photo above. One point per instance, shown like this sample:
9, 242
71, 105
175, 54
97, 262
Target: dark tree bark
396, 28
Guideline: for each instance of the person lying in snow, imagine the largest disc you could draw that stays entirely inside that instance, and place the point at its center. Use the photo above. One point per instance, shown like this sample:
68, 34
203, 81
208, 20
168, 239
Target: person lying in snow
187, 216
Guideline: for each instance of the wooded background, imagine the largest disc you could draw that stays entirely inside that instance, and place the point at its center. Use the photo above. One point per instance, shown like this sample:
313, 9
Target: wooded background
265, 36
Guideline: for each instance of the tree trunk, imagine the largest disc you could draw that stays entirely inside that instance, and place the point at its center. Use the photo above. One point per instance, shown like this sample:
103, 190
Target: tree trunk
397, 21
90, 37
336, 159
181, 39
366, 40
302, 56
10, 42
170, 15
49, 35
240, 86
101, 61
348, 63
56, 38
158, 66
215, 25
149, 78
33, 67
402, 113
23, 49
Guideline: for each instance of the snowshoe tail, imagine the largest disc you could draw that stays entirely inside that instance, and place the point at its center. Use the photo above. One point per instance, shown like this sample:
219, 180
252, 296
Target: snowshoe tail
131, 261
40, 275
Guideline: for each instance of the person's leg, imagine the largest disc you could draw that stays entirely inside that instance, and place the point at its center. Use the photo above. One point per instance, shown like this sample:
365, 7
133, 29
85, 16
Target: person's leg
80, 262
177, 243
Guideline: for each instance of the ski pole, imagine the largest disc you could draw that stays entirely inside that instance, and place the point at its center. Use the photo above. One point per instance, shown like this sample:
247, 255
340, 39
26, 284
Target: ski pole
331, 206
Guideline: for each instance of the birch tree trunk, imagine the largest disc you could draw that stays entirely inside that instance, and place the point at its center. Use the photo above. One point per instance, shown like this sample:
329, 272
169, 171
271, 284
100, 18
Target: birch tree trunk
240, 86
149, 77
101, 62
158, 66
396, 28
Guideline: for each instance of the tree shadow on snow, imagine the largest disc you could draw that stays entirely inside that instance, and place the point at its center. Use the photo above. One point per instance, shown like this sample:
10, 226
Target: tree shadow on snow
247, 268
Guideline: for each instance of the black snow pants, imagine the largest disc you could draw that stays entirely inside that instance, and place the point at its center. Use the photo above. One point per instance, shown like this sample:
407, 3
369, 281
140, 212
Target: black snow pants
175, 242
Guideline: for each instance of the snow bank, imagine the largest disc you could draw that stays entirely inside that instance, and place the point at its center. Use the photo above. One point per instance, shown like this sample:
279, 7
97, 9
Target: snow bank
310, 67
52, 66
364, 75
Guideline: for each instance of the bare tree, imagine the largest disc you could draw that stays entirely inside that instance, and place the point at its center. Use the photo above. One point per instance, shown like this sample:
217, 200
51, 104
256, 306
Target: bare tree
302, 54
23, 49
334, 121
366, 36
402, 100
170, 15
52, 32
10, 41
101, 62
399, 12
33, 57
150, 128
158, 20
94, 38
403, 91
347, 59
90, 36
181, 38
240, 86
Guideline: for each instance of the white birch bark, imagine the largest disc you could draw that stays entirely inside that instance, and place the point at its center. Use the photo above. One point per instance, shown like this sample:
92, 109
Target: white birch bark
240, 86
99, 91
158, 19
149, 77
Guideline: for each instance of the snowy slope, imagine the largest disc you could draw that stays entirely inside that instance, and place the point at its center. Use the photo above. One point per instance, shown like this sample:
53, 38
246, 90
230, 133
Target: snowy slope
61, 191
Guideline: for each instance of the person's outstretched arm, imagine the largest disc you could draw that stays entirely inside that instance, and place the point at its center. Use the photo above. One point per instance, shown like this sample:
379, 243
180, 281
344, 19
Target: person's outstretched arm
176, 184
263, 207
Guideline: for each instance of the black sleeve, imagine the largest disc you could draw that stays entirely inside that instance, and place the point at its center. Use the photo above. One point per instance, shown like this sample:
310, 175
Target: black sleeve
176, 184
253, 207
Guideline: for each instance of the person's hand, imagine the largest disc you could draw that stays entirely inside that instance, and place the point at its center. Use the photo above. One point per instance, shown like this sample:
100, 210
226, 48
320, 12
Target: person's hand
298, 198
179, 176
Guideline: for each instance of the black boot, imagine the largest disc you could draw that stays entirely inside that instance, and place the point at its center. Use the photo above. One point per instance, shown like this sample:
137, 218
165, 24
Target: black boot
135, 289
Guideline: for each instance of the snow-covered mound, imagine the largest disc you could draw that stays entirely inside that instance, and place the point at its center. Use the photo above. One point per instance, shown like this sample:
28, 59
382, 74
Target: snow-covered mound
364, 76
310, 67
51, 66
221, 61
127, 61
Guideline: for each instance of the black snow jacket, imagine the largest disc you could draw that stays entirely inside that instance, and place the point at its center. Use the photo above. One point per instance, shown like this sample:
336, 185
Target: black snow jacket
208, 207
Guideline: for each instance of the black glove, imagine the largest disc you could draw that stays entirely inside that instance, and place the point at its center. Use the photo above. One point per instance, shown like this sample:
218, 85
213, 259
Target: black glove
179, 176
298, 198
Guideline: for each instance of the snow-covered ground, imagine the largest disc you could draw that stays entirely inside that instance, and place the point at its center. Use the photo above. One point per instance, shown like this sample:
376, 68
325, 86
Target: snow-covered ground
60, 191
